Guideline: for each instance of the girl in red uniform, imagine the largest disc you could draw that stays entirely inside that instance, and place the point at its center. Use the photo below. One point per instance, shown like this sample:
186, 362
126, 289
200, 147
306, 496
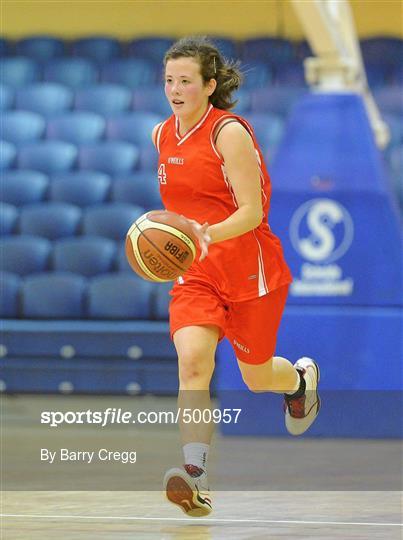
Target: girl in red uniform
211, 170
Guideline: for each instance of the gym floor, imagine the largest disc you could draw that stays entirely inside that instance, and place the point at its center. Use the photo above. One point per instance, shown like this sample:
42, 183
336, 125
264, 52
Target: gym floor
319, 488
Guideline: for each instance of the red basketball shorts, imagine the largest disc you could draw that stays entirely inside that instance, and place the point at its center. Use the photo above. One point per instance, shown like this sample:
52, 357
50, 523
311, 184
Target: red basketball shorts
251, 326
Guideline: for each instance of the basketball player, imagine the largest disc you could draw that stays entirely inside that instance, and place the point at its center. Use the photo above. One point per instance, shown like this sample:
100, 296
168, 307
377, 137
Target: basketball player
211, 171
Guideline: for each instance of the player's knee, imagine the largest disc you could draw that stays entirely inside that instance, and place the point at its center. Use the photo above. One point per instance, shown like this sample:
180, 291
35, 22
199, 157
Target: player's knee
194, 367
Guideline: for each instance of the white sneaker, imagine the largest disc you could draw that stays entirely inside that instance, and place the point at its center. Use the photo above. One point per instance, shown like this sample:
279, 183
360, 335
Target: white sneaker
300, 412
188, 489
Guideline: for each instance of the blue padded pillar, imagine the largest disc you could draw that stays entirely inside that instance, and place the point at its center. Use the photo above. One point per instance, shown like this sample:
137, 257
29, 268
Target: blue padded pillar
333, 208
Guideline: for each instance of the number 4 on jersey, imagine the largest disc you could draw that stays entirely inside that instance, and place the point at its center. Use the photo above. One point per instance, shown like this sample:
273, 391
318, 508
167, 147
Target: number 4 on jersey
162, 175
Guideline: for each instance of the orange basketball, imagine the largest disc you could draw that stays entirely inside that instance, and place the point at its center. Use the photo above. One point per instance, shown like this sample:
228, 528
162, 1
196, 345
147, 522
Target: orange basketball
160, 246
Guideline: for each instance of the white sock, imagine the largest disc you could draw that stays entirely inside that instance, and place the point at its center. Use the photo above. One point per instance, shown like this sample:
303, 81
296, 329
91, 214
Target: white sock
196, 454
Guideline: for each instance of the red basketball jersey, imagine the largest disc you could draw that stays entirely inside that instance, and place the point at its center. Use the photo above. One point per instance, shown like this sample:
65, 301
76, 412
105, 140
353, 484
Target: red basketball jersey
193, 183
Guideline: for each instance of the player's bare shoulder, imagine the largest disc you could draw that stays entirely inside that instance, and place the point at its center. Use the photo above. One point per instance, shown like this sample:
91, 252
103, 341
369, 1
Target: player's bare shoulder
231, 133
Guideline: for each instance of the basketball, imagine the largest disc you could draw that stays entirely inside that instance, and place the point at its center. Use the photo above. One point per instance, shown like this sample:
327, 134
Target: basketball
160, 246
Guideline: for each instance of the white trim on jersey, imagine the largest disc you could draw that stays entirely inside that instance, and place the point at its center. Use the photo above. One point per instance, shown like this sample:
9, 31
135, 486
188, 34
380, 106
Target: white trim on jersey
159, 131
228, 184
262, 283
189, 133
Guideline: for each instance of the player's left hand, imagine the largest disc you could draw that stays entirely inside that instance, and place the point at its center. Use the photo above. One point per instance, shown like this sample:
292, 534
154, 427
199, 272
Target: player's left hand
201, 234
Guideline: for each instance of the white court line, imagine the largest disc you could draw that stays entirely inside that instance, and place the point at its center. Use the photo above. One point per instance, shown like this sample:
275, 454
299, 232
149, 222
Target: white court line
207, 520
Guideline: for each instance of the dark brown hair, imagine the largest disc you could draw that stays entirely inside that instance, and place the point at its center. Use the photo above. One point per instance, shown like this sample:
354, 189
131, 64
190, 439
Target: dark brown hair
212, 66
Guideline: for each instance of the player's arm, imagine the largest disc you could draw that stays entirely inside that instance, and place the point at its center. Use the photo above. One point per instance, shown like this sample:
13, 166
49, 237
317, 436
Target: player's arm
241, 165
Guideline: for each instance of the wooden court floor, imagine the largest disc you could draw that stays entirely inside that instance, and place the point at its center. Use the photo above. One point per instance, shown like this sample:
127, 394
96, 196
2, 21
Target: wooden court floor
244, 514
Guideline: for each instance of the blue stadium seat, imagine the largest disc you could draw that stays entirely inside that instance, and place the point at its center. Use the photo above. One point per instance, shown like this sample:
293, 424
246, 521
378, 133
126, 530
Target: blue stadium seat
44, 98
7, 155
134, 127
389, 99
25, 254
152, 48
21, 187
243, 98
8, 219
106, 99
73, 72
257, 74
110, 220
302, 50
9, 298
141, 189
99, 49
82, 188
59, 295
47, 156
268, 129
85, 255
396, 172
395, 124
112, 157
153, 100
40, 48
18, 71
119, 296
382, 50
228, 47
21, 126
161, 300
377, 75
51, 220
76, 127
121, 260
291, 74
6, 97
278, 100
275, 51
148, 160
396, 76
5, 47
131, 72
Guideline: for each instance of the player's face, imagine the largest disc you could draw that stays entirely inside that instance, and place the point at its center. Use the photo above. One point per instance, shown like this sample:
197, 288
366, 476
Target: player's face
185, 89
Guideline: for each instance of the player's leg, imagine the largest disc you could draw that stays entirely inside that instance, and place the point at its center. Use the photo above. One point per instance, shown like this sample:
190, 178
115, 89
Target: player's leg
253, 329
277, 374
188, 487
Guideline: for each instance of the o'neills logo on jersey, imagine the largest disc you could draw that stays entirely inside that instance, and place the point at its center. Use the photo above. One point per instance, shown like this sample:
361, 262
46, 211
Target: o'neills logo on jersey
242, 347
176, 160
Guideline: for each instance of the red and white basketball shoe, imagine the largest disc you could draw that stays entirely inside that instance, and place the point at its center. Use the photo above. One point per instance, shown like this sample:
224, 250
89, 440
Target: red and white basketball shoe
301, 410
188, 489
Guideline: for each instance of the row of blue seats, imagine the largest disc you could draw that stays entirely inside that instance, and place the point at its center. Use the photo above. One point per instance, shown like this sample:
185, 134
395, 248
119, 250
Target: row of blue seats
110, 99
82, 188
88, 255
110, 157
19, 127
54, 220
136, 72
77, 127
104, 48
65, 295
